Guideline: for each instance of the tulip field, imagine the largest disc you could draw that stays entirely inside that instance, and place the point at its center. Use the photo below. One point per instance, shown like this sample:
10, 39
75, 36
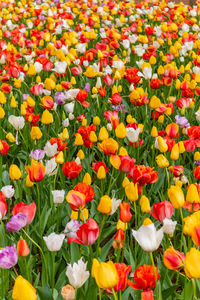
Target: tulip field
99, 150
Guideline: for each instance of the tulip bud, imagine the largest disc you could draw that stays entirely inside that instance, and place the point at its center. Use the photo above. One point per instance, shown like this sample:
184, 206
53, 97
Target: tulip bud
68, 292
36, 133
118, 239
125, 214
176, 196
162, 145
101, 173
181, 147
22, 248
145, 204
120, 131
122, 151
78, 140
175, 152
103, 134
131, 191
105, 205
162, 161
161, 119
125, 182
197, 156
87, 179
93, 137
10, 137
60, 158
14, 172
192, 194
154, 132
80, 154
96, 121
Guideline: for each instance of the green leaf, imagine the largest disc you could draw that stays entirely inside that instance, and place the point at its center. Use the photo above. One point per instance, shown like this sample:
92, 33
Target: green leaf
105, 249
45, 293
169, 292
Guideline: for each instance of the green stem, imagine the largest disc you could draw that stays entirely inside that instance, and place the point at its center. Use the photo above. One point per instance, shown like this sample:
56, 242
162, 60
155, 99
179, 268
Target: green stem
135, 209
99, 293
4, 234
53, 254
38, 193
181, 213
194, 289
154, 269
118, 254
114, 294
98, 242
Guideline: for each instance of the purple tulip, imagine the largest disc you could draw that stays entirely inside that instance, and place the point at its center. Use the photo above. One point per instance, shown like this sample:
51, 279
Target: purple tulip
59, 98
182, 122
87, 87
8, 257
37, 154
16, 222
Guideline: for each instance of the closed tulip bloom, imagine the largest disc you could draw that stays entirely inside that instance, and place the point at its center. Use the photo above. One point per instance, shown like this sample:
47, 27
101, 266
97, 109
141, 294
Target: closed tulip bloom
192, 194
173, 259
16, 222
172, 130
60, 158
105, 274
154, 132
87, 179
169, 226
192, 267
71, 169
17, 122
120, 131
125, 214
101, 173
162, 145
36, 133
145, 204
23, 290
54, 241
131, 191
105, 204
176, 196
22, 248
68, 292
118, 239
58, 196
14, 172
175, 152
103, 134
77, 273
27, 210
162, 161
36, 171
148, 237
191, 222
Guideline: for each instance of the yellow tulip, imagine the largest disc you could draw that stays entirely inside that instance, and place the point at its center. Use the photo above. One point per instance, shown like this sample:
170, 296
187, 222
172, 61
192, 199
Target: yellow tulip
47, 117
120, 131
176, 196
145, 204
131, 191
36, 133
87, 179
162, 161
10, 137
14, 172
105, 274
23, 290
103, 134
105, 205
60, 158
192, 194
101, 173
192, 267
78, 140
162, 145
154, 132
175, 152
80, 154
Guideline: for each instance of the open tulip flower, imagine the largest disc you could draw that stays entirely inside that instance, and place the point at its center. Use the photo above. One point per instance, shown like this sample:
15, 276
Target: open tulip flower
99, 149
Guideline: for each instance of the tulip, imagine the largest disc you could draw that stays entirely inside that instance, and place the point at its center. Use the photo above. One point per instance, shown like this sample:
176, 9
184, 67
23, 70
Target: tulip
47, 117
196, 235
36, 171
131, 191
87, 233
23, 290
125, 214
191, 222
162, 210
54, 241
105, 204
118, 239
173, 259
192, 268
17, 122
3, 207
192, 194
148, 237
22, 248
169, 226
162, 145
77, 273
176, 196
154, 132
175, 152
103, 134
120, 131
101, 174
68, 292
172, 130
60, 158
71, 169
87, 179
14, 172
105, 274
27, 210
144, 204
58, 196
16, 222
108, 146
36, 133
8, 257
162, 161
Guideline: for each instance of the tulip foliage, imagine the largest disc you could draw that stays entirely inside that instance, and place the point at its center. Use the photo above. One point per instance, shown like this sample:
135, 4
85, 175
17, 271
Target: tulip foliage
99, 150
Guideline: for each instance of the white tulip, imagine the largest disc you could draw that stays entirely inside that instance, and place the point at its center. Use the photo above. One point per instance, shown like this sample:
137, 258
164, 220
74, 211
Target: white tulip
77, 273
69, 107
169, 226
197, 115
17, 122
38, 67
132, 134
51, 150
60, 67
115, 204
148, 237
58, 196
54, 241
8, 191
51, 167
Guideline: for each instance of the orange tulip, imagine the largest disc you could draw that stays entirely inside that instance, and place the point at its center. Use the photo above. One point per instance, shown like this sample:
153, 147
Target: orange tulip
36, 171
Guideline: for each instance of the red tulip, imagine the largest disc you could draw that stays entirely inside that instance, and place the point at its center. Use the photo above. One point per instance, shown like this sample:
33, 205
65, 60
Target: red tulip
177, 171
36, 171
126, 163
86, 190
197, 172
147, 295
118, 239
37, 89
162, 210
173, 259
22, 248
81, 96
125, 214
5, 149
172, 130
3, 206
71, 169
28, 210
87, 233
116, 99
76, 200
108, 80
